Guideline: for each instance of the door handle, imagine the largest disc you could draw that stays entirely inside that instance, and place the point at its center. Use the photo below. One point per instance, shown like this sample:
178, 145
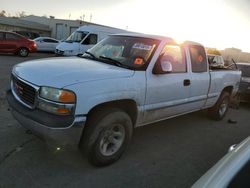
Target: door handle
186, 82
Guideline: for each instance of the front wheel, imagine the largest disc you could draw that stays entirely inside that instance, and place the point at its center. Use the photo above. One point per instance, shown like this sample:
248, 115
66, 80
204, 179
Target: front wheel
107, 135
219, 110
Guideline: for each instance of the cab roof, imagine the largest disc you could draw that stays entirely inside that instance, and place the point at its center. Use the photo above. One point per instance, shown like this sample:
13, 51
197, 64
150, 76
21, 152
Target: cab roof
132, 34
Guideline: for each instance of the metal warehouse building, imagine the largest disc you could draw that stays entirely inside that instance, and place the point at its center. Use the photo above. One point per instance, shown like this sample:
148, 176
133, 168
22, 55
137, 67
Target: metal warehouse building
60, 28
16, 24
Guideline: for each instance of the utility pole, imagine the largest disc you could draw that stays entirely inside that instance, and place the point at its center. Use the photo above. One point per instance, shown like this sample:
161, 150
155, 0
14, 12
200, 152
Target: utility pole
90, 19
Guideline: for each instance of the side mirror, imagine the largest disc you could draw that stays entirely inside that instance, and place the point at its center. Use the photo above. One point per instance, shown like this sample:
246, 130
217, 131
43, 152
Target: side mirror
166, 66
163, 67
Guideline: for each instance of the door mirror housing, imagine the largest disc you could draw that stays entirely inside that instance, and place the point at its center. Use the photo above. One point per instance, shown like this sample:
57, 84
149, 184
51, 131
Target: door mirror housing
163, 67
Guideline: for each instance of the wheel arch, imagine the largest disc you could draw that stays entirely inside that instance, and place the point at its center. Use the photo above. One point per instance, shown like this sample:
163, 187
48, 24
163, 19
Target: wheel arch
128, 105
228, 89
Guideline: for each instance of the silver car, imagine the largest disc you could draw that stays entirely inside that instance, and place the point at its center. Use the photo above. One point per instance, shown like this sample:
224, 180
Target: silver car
232, 171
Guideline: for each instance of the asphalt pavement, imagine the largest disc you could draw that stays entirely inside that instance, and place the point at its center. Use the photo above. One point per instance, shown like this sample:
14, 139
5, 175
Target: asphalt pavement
172, 153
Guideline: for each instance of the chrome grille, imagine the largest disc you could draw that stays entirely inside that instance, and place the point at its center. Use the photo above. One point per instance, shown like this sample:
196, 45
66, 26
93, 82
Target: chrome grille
25, 92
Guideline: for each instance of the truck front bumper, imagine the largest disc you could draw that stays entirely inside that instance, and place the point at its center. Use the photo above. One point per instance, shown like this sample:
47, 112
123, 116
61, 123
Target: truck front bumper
67, 135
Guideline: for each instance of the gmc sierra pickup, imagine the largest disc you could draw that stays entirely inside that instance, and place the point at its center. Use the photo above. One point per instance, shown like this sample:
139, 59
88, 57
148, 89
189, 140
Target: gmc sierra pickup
95, 101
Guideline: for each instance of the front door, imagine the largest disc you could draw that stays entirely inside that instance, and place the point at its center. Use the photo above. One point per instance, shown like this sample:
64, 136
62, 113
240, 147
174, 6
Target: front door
167, 94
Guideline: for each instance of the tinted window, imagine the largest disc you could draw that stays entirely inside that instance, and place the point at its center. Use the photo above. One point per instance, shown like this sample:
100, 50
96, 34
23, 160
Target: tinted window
175, 55
91, 39
1, 36
242, 178
198, 58
245, 69
50, 41
12, 36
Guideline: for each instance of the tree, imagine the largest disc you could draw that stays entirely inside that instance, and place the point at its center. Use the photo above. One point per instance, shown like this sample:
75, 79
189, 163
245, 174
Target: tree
20, 14
213, 51
3, 13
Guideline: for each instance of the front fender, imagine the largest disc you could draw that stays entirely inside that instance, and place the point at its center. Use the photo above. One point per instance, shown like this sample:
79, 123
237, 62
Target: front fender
91, 94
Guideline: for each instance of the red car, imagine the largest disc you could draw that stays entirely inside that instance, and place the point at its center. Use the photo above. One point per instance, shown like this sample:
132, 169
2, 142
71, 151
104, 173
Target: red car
14, 43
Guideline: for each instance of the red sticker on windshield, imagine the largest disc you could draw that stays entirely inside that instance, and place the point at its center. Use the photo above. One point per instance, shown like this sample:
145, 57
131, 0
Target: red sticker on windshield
138, 61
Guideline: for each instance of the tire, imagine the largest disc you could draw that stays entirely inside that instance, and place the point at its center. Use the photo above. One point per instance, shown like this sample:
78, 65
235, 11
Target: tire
219, 110
23, 52
107, 135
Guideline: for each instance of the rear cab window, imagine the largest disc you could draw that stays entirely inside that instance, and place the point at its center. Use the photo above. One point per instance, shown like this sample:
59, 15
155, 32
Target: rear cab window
198, 59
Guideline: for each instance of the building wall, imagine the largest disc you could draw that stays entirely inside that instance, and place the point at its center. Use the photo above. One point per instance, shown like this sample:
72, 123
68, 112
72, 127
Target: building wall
67, 26
233, 53
16, 28
244, 57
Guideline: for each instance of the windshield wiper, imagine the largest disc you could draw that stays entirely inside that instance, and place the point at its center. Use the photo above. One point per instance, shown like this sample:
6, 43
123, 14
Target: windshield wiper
92, 55
115, 62
68, 41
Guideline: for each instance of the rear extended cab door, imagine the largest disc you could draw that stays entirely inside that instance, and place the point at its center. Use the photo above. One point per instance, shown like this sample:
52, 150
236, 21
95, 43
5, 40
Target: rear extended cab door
200, 77
167, 94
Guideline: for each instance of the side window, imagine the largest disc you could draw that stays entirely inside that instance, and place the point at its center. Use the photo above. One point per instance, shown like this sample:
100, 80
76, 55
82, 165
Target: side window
175, 55
1, 36
12, 36
50, 41
198, 59
91, 39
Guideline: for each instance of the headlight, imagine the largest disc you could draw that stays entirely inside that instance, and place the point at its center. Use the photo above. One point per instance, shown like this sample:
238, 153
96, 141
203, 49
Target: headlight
57, 101
57, 95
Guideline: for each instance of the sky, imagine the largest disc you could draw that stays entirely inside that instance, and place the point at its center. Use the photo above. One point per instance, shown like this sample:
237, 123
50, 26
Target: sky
214, 23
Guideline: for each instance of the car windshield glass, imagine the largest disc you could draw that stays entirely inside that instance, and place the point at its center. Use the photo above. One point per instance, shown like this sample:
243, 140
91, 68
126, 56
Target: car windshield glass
245, 69
77, 36
210, 59
126, 51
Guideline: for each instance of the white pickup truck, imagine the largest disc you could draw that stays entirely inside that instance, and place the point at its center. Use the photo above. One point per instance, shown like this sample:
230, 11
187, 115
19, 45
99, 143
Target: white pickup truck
125, 81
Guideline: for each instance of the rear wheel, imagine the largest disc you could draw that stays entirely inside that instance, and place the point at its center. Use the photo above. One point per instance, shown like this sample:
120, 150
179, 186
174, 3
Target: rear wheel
23, 52
107, 135
219, 110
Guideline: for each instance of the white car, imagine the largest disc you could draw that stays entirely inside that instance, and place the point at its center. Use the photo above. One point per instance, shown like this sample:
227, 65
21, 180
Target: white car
46, 44
233, 170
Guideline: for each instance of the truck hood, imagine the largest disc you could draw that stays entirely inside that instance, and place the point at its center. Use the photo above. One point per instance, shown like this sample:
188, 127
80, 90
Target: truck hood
61, 72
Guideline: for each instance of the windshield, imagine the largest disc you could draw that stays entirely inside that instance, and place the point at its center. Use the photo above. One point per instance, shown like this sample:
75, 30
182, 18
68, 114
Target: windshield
76, 36
245, 69
133, 52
